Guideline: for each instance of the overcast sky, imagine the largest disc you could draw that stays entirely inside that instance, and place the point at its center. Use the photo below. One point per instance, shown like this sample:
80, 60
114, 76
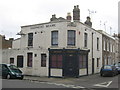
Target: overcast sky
16, 13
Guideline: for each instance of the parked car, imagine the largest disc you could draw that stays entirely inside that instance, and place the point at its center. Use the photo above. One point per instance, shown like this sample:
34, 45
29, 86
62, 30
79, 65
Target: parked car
117, 65
9, 71
108, 70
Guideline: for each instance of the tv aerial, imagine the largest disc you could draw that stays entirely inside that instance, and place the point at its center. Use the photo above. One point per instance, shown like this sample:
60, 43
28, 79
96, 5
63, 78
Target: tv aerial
91, 12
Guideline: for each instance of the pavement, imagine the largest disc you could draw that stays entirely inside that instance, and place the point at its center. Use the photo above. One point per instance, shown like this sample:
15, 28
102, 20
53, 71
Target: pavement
65, 82
47, 79
60, 80
82, 82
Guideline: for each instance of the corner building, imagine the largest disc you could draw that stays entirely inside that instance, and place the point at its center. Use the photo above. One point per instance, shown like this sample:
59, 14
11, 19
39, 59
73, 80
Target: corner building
59, 48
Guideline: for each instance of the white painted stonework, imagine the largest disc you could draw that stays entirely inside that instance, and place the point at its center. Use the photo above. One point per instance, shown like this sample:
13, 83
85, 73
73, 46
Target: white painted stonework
42, 41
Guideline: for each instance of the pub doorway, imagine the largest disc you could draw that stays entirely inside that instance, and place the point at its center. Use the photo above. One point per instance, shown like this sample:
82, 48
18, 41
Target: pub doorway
71, 66
67, 62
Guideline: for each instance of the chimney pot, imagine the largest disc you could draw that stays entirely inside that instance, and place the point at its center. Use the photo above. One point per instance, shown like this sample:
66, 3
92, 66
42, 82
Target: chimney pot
77, 6
69, 16
11, 39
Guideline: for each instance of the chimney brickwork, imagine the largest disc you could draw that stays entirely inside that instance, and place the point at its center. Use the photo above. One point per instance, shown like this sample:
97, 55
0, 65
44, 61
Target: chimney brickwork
76, 13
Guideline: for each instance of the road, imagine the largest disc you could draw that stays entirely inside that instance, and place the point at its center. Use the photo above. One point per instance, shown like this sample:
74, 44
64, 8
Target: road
92, 81
26, 84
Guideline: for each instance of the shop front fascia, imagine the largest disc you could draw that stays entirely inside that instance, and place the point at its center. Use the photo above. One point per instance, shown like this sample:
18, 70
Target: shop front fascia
68, 62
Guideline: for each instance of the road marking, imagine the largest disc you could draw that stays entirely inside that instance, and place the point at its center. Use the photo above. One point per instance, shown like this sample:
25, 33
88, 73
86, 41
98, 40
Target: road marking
58, 84
78, 87
104, 84
66, 85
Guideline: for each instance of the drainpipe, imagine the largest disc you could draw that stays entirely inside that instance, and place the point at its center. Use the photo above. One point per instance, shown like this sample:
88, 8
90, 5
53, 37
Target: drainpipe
92, 56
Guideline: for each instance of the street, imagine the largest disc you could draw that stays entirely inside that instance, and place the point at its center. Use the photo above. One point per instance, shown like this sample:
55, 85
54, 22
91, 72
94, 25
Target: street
26, 84
92, 81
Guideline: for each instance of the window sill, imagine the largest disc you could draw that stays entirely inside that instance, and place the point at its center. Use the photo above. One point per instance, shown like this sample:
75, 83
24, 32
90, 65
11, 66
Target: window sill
97, 67
54, 46
70, 46
20, 67
82, 68
55, 68
29, 67
29, 46
85, 47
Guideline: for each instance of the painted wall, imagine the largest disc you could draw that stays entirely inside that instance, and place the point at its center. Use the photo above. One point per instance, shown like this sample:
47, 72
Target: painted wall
0, 42
42, 41
0, 49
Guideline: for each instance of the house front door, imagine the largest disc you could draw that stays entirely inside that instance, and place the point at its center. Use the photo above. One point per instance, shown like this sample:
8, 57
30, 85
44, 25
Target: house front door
71, 66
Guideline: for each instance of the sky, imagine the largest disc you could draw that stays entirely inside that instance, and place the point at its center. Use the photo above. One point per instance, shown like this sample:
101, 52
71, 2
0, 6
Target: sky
17, 13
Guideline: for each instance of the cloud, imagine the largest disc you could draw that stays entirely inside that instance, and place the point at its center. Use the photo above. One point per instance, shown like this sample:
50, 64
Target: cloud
16, 13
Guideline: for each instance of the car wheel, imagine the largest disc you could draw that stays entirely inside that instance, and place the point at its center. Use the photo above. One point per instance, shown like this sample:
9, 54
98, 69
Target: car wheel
103, 74
113, 74
21, 78
8, 76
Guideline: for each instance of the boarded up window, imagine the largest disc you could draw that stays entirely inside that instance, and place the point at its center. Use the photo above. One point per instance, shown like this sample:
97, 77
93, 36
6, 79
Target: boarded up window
29, 59
82, 61
20, 61
11, 60
43, 60
56, 61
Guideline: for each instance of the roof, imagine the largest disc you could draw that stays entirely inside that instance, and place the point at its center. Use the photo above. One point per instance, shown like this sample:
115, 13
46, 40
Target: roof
106, 34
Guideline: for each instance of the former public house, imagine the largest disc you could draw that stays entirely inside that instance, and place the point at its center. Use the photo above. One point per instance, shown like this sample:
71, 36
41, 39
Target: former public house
63, 47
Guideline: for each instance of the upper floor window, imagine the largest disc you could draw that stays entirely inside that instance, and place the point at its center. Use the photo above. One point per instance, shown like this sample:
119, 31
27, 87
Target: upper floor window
109, 46
54, 37
30, 39
113, 50
104, 46
71, 37
85, 39
97, 43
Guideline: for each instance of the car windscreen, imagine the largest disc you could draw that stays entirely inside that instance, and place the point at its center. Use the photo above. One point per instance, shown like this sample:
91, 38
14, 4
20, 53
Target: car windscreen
14, 69
107, 67
117, 64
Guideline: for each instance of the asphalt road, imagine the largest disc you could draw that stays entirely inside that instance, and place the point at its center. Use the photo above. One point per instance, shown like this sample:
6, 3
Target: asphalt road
26, 84
92, 81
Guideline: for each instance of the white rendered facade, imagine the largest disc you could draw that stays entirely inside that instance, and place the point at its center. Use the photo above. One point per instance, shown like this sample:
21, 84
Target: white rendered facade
42, 41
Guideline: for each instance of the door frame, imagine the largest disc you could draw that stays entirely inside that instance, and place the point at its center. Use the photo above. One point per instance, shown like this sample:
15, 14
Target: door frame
73, 69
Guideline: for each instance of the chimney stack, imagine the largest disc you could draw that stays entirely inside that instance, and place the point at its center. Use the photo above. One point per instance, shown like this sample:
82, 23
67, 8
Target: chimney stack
53, 18
11, 39
76, 13
88, 21
68, 17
